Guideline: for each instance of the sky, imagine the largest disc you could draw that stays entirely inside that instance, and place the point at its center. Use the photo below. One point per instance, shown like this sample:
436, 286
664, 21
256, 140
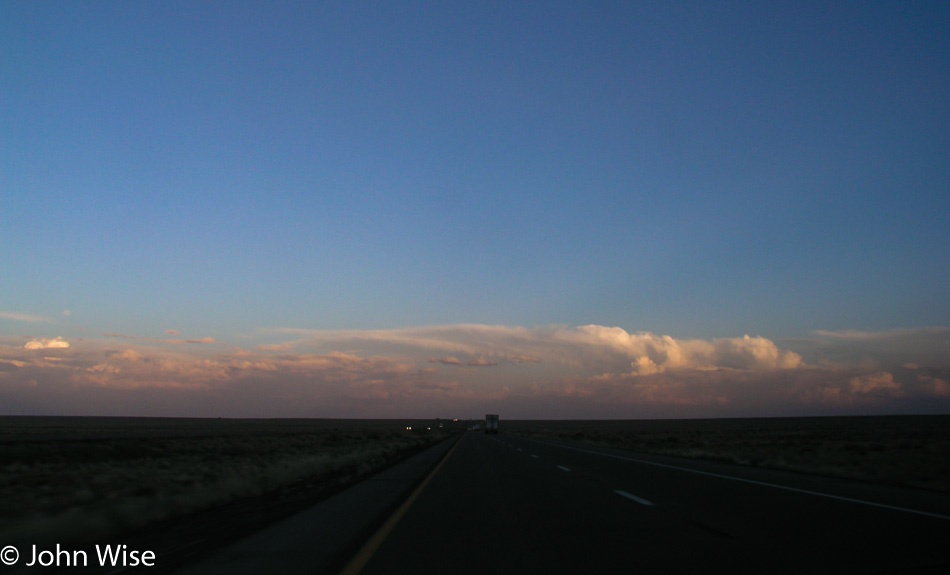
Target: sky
412, 209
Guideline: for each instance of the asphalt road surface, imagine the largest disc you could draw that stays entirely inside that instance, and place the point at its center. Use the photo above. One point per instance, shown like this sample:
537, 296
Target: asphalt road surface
504, 504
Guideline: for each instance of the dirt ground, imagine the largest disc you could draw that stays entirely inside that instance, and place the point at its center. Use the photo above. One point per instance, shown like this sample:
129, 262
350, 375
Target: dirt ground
75, 479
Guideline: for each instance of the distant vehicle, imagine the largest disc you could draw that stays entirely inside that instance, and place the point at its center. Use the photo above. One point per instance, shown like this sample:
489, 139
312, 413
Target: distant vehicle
491, 423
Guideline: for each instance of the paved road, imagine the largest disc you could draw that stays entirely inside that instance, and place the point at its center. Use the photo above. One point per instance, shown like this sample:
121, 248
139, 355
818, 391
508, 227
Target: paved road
503, 504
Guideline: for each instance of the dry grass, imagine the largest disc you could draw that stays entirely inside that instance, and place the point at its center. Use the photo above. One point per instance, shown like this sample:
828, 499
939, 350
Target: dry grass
68, 479
911, 451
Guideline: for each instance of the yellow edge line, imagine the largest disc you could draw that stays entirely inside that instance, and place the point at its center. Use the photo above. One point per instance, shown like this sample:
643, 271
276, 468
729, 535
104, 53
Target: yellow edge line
369, 548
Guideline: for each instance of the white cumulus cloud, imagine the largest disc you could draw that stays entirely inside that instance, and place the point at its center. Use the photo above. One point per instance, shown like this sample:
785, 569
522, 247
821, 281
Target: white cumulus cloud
650, 353
47, 343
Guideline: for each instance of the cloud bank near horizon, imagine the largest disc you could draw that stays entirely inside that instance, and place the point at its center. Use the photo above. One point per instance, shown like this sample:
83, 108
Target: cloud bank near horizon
462, 370
590, 347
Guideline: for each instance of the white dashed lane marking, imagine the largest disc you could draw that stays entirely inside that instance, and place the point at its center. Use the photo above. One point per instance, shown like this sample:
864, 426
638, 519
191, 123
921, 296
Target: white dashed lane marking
639, 500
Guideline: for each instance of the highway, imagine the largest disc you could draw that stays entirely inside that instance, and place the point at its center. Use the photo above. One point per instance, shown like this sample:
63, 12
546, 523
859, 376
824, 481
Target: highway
506, 504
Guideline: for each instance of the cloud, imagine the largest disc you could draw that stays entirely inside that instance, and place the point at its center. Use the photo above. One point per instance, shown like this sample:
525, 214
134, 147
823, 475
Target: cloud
205, 340
649, 353
878, 382
172, 332
934, 386
25, 317
614, 370
57, 343
474, 362
543, 372
603, 349
926, 346
275, 347
202, 340
128, 355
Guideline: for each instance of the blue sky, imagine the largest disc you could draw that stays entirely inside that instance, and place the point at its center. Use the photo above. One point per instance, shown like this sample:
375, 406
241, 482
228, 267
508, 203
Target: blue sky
240, 170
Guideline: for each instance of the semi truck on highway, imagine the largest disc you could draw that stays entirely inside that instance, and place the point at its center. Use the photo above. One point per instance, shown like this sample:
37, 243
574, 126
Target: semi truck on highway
491, 423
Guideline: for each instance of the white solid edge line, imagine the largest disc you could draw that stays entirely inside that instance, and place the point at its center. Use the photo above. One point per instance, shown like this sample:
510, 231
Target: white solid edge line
639, 500
561, 467
754, 482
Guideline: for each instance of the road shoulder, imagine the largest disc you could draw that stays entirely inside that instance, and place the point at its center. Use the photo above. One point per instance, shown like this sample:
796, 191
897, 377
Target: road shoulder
318, 539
